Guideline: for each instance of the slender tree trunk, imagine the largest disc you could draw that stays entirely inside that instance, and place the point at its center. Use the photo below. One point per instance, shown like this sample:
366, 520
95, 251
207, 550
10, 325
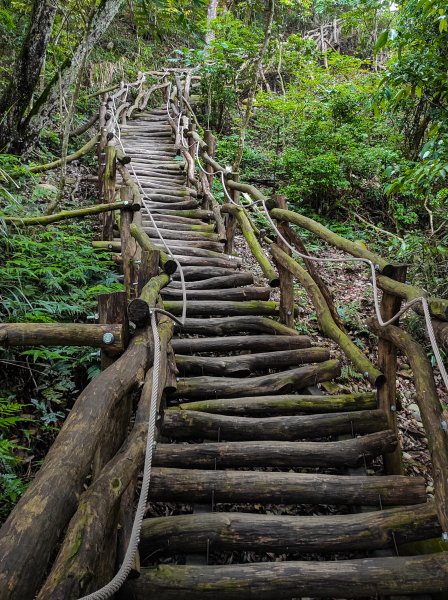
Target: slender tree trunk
48, 102
211, 14
253, 87
26, 73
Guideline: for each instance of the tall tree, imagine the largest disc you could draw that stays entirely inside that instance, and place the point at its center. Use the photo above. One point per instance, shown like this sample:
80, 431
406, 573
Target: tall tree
25, 74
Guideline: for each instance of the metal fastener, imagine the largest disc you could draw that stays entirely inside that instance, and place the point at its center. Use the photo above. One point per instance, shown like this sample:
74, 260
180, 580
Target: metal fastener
445, 536
108, 337
393, 407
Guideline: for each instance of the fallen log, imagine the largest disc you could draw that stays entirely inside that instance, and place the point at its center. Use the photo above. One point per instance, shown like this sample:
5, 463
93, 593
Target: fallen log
246, 364
291, 404
434, 416
239, 343
325, 320
229, 531
284, 382
68, 214
41, 515
231, 325
201, 486
185, 425
109, 336
291, 579
228, 455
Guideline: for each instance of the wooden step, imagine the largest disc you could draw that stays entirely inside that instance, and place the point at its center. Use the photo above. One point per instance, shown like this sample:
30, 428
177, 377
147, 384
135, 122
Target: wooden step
226, 282
197, 274
239, 343
224, 326
199, 261
232, 294
179, 226
195, 388
246, 364
200, 486
359, 578
228, 531
188, 424
290, 404
223, 455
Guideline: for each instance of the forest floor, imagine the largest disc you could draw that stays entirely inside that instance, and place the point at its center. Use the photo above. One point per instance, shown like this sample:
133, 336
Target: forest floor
352, 291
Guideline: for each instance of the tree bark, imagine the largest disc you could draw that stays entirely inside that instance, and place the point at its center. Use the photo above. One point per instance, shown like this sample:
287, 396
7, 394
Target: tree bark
185, 424
239, 343
273, 533
285, 580
25, 74
30, 534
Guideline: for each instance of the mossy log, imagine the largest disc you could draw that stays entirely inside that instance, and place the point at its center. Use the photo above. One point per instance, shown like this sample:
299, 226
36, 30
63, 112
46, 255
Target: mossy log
217, 308
225, 282
292, 579
438, 307
200, 273
139, 310
31, 532
195, 388
206, 244
70, 158
66, 214
232, 294
289, 404
441, 333
325, 320
182, 235
238, 343
181, 206
331, 238
201, 261
180, 250
201, 486
254, 245
229, 531
85, 126
232, 325
62, 334
434, 416
246, 364
91, 534
186, 424
167, 264
228, 455
199, 213
174, 220
208, 228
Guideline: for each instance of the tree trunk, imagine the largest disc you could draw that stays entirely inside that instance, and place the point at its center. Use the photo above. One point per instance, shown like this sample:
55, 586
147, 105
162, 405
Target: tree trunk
25, 74
48, 102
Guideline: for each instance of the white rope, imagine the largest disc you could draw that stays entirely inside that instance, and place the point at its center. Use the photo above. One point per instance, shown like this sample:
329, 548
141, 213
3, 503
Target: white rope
115, 584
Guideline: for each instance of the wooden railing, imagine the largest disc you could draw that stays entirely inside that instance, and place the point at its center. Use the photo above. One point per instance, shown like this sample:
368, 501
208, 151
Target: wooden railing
390, 279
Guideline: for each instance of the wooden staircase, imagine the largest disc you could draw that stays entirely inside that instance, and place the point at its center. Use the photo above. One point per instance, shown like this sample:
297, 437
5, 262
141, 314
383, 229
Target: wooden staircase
269, 488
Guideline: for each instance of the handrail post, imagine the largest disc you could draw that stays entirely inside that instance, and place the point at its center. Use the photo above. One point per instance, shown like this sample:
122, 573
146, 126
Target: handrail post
112, 309
210, 140
110, 178
128, 244
100, 149
286, 278
387, 363
231, 221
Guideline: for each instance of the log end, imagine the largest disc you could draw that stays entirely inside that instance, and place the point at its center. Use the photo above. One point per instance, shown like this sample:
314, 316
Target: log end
170, 266
138, 312
274, 282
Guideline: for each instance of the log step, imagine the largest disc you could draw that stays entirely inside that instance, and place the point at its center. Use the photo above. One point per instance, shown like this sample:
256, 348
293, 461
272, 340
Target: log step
291, 404
230, 531
238, 343
357, 578
232, 294
209, 307
232, 325
229, 281
200, 486
223, 455
188, 424
195, 388
244, 365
